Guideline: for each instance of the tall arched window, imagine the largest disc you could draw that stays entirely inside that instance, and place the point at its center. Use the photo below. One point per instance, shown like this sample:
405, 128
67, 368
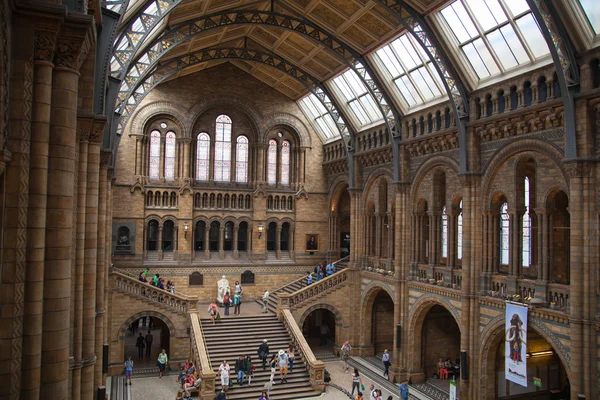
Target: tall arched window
223, 149
459, 232
154, 154
272, 162
504, 233
526, 227
285, 162
444, 232
241, 160
202, 156
170, 141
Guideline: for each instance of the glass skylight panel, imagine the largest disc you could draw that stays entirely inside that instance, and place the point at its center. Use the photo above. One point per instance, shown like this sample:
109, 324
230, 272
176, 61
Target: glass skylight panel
411, 70
592, 11
317, 112
355, 94
495, 35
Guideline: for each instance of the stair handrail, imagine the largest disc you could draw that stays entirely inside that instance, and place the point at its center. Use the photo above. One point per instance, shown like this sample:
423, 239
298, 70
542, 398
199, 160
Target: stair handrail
302, 280
128, 284
202, 359
316, 368
292, 300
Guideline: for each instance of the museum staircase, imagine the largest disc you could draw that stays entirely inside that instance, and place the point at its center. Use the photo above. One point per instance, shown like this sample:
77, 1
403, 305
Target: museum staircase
241, 336
298, 286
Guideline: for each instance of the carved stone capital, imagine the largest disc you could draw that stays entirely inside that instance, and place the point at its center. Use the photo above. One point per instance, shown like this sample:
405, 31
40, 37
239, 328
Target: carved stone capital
45, 45
98, 129
105, 157
84, 127
578, 169
72, 49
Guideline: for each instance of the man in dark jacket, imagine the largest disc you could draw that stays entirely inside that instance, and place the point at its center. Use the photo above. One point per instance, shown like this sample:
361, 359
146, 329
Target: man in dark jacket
263, 353
240, 368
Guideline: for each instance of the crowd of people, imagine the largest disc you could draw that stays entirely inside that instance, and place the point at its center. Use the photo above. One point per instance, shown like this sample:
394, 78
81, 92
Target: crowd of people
321, 271
447, 367
156, 281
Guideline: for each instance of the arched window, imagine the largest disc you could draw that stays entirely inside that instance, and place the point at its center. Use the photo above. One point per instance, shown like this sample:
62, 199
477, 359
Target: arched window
154, 154
223, 149
285, 162
202, 156
459, 232
241, 160
272, 162
526, 227
170, 155
504, 233
444, 232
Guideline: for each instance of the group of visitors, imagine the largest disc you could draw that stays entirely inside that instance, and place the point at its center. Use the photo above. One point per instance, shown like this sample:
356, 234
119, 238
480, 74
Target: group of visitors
320, 272
161, 363
448, 367
228, 301
144, 342
374, 394
282, 360
188, 379
157, 281
244, 367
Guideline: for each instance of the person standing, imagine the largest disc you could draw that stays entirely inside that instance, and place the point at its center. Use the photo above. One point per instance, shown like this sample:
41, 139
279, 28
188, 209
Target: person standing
139, 343
250, 368
273, 367
263, 396
128, 370
237, 301
283, 365
240, 367
324, 330
162, 362
213, 310
263, 353
346, 348
155, 279
386, 362
224, 373
265, 300
238, 288
372, 392
291, 356
309, 279
221, 395
226, 303
149, 339
356, 381
404, 390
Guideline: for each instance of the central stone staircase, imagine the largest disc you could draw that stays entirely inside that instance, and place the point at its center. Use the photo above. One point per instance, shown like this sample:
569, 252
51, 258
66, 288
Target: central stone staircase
235, 336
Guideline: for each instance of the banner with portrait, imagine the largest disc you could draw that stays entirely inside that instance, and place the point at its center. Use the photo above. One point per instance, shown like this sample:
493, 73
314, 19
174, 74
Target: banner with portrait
516, 344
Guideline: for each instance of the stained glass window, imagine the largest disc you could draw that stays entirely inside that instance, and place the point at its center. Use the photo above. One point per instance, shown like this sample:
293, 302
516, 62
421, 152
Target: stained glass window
317, 113
223, 149
154, 154
170, 143
504, 233
526, 228
202, 156
459, 232
241, 160
285, 162
272, 162
359, 100
495, 35
411, 69
444, 232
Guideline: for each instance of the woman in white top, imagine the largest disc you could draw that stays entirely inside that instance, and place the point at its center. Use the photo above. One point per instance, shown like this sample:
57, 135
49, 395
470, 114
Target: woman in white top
224, 372
356, 381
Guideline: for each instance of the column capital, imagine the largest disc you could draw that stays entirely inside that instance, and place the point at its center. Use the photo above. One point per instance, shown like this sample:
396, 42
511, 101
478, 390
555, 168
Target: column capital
74, 42
45, 45
105, 157
98, 124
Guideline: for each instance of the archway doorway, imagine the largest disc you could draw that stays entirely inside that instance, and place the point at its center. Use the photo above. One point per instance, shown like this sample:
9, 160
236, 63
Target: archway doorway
339, 220
271, 236
440, 338
542, 362
382, 322
161, 338
319, 330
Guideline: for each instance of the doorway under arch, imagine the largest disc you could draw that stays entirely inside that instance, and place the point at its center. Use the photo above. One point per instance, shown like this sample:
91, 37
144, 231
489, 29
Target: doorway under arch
271, 236
319, 330
382, 322
161, 331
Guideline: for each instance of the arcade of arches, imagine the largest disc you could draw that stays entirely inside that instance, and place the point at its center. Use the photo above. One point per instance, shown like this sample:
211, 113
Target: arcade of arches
449, 159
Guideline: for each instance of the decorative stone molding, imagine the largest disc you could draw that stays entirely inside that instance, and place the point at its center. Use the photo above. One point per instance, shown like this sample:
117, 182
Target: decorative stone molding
70, 53
302, 192
186, 187
579, 169
84, 127
45, 45
432, 144
105, 158
138, 184
97, 131
260, 190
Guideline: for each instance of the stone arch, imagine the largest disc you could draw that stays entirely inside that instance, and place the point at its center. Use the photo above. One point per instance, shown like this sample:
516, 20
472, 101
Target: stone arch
339, 322
366, 309
336, 186
230, 100
428, 166
417, 314
374, 176
287, 120
142, 314
491, 337
150, 111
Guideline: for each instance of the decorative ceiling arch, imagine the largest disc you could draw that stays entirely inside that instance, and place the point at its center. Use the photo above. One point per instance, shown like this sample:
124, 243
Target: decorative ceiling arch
457, 92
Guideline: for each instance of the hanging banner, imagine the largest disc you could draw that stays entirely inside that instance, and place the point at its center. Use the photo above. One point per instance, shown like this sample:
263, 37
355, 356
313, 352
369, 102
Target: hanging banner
516, 344
452, 390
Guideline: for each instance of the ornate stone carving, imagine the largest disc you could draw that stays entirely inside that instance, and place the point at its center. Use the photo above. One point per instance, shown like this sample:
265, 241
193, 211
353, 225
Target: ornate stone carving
105, 157
70, 53
578, 169
97, 131
84, 128
45, 44
260, 190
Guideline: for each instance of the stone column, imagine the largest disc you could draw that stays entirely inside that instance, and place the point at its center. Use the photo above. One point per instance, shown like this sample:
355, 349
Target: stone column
221, 242
45, 43
161, 171
207, 241
236, 231
160, 242
71, 51
101, 268
278, 243
186, 158
291, 244
138, 156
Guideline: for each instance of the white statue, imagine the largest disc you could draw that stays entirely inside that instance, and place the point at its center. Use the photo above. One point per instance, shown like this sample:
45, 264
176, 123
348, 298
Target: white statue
223, 289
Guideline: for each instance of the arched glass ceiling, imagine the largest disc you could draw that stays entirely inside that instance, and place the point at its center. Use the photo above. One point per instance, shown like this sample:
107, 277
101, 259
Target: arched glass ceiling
592, 12
319, 117
494, 35
410, 71
357, 100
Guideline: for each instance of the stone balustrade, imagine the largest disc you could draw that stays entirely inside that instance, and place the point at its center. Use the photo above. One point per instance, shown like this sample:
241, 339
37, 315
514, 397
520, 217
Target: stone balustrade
439, 275
316, 368
201, 359
293, 300
176, 302
556, 294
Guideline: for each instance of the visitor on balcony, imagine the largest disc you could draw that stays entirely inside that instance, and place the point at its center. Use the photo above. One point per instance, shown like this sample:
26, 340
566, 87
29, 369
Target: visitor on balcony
155, 279
142, 277
226, 303
309, 279
330, 269
237, 302
238, 288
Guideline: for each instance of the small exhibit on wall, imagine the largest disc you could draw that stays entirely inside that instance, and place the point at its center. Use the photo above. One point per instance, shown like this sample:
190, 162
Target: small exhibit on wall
123, 238
516, 344
312, 242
